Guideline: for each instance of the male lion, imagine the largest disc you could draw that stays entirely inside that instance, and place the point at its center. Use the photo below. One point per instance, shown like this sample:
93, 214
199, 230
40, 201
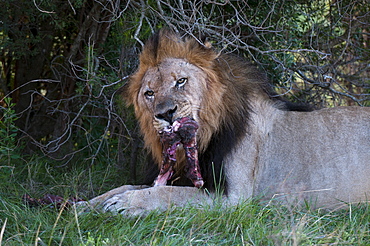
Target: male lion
194, 104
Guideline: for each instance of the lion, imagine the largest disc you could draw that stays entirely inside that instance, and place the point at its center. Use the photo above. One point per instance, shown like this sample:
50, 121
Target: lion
249, 141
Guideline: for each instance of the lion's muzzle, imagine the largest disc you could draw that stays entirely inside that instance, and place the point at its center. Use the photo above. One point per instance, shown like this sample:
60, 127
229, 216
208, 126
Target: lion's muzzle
165, 111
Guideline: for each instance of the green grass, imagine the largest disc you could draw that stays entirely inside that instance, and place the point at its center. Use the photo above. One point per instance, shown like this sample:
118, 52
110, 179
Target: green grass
250, 223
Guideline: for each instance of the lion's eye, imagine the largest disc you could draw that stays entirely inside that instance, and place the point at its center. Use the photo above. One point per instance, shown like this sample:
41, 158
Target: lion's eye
149, 93
181, 81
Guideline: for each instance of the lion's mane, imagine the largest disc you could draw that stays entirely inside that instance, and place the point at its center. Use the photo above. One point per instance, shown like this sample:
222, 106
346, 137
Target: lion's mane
232, 83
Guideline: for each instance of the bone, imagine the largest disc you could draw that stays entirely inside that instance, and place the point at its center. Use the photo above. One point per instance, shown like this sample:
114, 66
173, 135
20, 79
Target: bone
183, 131
188, 133
170, 141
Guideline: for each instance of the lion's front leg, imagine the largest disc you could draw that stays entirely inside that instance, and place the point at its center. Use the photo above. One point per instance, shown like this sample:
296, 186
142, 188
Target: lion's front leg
141, 201
97, 202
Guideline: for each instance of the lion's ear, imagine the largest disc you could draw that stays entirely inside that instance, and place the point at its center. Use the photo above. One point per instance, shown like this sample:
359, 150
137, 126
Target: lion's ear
204, 40
207, 44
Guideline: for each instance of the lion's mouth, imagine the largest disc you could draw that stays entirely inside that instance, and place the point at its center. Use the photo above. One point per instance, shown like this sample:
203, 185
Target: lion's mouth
182, 131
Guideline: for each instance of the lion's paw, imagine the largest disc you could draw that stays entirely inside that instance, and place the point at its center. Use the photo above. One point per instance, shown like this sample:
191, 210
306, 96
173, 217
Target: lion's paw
123, 204
134, 202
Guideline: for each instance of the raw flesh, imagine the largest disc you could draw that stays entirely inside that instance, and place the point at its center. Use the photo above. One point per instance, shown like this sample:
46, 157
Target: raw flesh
182, 131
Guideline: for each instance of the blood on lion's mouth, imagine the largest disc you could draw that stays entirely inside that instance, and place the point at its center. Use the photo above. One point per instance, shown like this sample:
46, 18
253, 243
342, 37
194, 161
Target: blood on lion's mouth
182, 131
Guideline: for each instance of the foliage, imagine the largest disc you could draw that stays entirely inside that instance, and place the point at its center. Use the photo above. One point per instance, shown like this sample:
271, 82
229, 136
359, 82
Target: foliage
8, 131
62, 63
59, 68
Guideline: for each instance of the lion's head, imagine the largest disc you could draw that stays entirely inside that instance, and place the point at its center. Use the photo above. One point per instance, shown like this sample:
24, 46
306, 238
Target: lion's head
180, 77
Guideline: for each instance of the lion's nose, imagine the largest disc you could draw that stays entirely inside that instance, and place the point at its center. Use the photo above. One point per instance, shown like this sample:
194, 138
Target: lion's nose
166, 114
